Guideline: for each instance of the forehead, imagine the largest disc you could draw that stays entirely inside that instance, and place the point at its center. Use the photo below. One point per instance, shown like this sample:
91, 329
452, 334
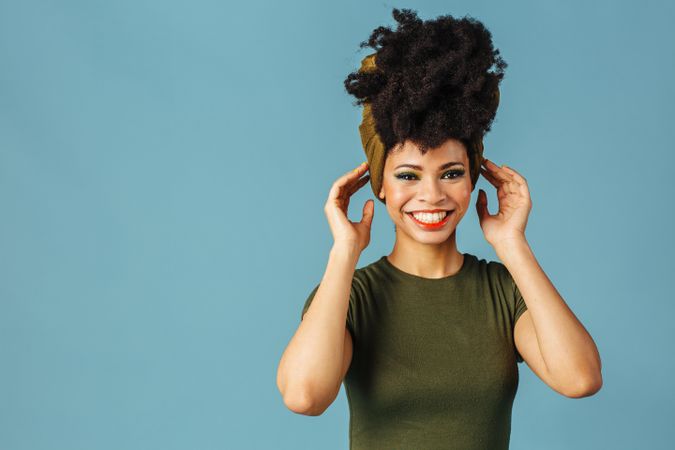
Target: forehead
450, 150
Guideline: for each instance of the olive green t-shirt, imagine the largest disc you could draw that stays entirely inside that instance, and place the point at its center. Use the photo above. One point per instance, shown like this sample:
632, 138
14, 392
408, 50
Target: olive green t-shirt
434, 361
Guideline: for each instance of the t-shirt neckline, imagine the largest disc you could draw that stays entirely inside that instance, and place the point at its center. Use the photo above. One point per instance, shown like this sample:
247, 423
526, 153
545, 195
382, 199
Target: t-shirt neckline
410, 276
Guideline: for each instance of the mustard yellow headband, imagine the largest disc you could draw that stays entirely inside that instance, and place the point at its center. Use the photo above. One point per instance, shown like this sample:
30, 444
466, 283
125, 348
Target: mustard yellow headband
374, 148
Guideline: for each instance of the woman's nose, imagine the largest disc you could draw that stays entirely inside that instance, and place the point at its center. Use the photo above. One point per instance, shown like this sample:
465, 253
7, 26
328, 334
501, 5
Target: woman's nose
432, 191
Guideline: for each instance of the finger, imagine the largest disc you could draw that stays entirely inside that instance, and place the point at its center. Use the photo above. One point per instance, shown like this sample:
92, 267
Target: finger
521, 182
345, 192
359, 170
490, 177
515, 181
352, 175
496, 171
350, 189
359, 184
368, 211
518, 177
481, 205
346, 179
508, 186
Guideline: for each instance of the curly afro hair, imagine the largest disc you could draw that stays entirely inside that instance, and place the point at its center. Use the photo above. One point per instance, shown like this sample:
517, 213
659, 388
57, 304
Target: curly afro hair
433, 81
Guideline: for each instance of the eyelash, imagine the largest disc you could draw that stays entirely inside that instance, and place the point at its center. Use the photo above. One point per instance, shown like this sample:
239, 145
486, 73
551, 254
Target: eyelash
401, 176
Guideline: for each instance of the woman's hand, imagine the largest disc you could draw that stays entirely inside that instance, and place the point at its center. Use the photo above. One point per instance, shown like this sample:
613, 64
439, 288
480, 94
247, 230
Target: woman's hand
354, 234
514, 204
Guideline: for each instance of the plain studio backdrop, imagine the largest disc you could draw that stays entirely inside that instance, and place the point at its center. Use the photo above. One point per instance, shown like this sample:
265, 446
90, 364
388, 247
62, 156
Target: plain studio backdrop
163, 171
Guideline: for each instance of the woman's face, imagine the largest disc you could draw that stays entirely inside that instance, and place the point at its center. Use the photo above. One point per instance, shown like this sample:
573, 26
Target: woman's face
440, 180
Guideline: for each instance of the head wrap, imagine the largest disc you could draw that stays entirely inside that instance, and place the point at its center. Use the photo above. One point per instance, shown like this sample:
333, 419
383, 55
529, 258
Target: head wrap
376, 153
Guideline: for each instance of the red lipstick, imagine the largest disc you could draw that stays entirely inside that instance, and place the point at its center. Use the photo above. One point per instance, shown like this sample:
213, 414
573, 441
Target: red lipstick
432, 226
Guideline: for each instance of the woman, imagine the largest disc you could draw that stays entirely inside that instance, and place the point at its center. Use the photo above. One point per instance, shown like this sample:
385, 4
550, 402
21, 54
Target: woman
426, 339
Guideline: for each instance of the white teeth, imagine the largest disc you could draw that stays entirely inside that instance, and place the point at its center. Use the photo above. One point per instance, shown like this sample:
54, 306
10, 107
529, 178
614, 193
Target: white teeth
430, 217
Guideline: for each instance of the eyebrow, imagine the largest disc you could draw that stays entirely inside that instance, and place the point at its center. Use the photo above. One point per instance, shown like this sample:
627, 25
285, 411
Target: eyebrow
444, 166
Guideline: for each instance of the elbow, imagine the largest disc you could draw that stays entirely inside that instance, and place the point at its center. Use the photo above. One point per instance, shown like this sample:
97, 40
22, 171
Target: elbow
295, 397
300, 398
588, 387
303, 404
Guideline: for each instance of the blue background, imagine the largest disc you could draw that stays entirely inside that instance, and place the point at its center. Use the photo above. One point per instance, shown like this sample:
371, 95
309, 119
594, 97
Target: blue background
163, 171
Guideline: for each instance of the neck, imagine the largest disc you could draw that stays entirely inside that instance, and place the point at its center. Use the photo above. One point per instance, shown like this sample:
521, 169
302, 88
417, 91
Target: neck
426, 260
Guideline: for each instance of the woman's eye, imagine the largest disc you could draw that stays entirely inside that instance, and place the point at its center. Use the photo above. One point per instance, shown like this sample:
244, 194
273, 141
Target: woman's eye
457, 173
411, 176
406, 176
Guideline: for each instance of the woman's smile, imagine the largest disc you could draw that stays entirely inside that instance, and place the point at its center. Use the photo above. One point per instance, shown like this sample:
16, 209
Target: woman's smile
433, 200
431, 221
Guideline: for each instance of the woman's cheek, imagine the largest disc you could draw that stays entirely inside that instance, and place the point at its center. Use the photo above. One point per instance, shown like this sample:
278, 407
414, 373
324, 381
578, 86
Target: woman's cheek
398, 198
465, 195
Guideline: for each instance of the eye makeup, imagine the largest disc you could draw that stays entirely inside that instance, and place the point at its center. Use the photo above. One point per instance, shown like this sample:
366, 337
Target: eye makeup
404, 175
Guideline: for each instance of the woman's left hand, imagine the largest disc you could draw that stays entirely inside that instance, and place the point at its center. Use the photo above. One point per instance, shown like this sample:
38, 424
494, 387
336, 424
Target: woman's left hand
514, 204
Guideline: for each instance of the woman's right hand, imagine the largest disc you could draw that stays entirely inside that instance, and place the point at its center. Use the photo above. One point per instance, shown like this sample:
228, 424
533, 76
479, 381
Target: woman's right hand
355, 234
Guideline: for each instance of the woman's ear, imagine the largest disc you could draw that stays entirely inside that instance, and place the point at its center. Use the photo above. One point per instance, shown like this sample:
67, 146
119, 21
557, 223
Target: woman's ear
381, 194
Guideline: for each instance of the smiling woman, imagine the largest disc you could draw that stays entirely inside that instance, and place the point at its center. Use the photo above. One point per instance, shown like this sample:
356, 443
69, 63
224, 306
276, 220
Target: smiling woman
429, 219
426, 339
430, 187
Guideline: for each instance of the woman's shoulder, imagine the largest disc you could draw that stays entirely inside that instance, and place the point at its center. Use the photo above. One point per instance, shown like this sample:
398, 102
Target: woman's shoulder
493, 271
487, 270
487, 264
370, 271
373, 265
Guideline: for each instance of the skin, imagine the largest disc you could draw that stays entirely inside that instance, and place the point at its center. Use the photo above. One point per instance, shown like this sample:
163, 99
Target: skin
551, 340
426, 253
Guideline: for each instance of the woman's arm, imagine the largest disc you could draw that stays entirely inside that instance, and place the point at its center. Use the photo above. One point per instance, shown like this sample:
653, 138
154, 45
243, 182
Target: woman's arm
571, 357
568, 358
315, 361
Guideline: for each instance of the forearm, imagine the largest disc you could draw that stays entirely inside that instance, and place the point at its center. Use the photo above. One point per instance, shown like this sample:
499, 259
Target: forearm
311, 366
568, 350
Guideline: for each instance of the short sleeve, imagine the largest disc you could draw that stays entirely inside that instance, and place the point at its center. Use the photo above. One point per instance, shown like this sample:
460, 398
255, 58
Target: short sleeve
350, 311
520, 308
309, 301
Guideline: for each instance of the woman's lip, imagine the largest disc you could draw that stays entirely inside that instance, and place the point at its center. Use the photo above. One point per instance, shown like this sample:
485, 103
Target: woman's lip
429, 210
432, 226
